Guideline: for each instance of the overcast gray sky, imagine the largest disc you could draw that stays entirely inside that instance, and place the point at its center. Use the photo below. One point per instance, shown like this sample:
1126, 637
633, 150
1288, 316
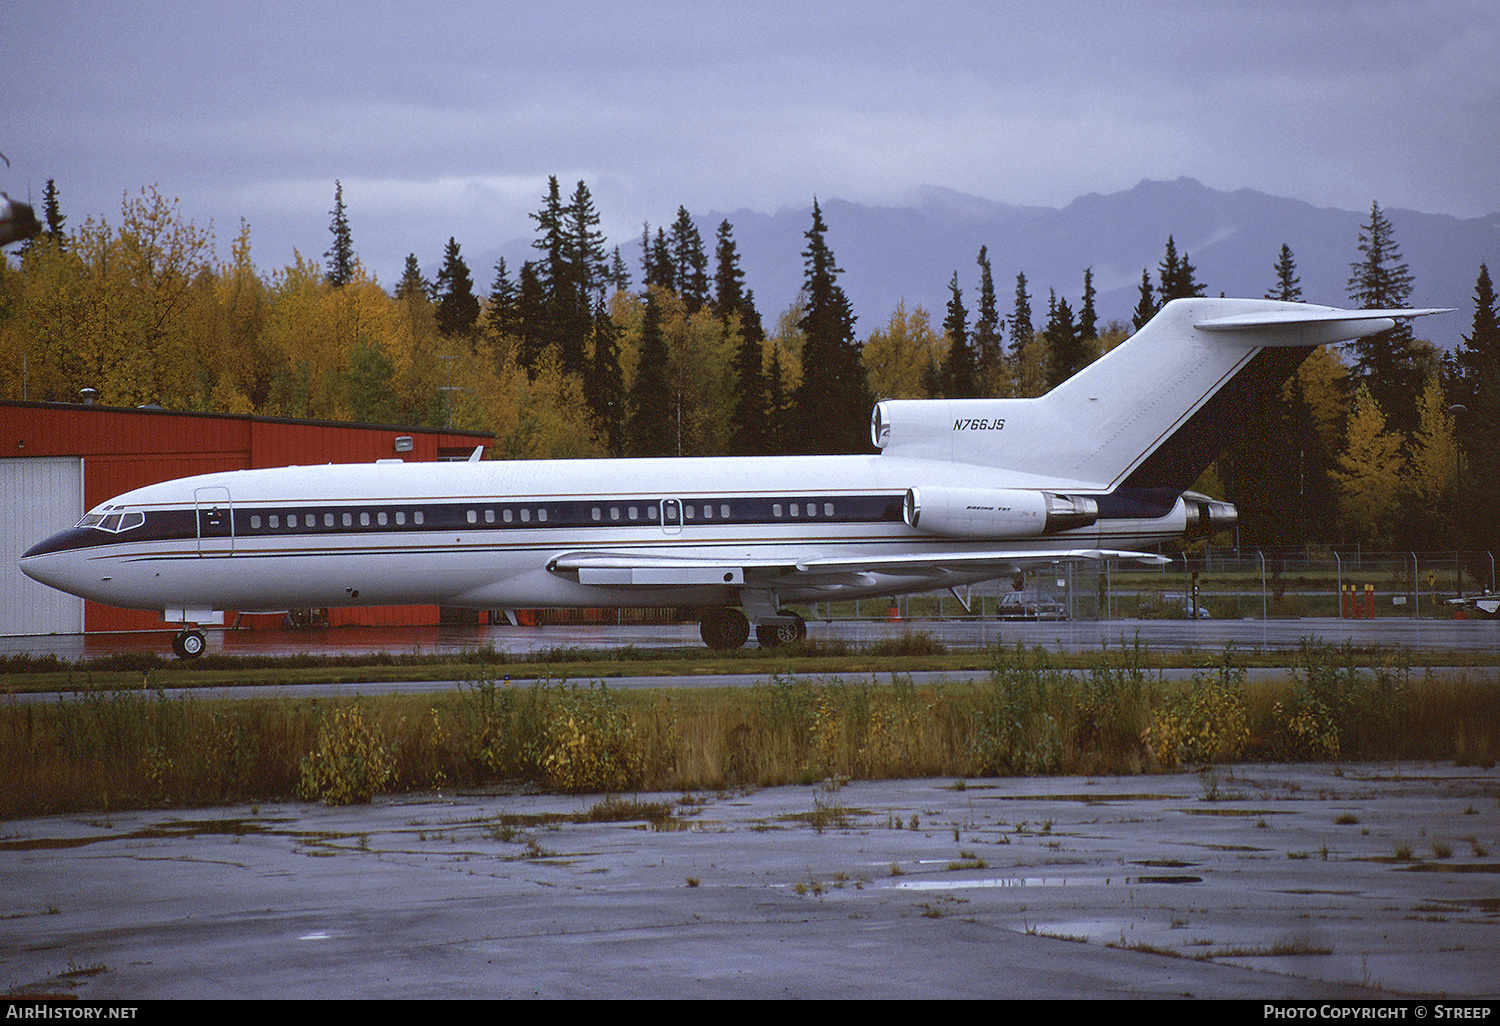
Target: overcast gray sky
446, 119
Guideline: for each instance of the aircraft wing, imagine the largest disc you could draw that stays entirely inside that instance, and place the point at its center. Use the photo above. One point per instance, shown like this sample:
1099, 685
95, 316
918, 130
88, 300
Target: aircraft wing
654, 570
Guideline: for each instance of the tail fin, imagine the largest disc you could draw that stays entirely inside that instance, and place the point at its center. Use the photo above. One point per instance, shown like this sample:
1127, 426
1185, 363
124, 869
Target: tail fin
1153, 412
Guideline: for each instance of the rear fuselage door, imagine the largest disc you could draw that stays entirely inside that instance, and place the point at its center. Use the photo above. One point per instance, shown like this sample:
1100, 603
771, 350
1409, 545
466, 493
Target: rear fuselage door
215, 521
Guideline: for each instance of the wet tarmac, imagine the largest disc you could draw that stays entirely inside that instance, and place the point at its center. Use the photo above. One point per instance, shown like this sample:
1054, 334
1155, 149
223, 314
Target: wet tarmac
955, 634
1302, 882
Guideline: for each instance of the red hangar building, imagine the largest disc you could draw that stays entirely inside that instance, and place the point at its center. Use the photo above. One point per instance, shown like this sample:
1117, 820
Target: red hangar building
59, 460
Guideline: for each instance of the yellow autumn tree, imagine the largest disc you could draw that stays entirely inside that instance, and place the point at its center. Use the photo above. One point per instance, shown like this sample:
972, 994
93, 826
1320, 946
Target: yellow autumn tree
1369, 473
1434, 448
113, 309
40, 358
898, 357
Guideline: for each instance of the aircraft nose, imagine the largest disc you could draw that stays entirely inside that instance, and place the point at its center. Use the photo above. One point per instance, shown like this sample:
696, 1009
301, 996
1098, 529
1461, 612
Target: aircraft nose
49, 562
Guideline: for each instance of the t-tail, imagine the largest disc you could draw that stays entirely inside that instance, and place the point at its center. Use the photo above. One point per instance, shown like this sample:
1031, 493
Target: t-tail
1152, 413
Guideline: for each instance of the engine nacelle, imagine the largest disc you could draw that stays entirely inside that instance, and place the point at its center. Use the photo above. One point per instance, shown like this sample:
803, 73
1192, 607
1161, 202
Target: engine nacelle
995, 512
1207, 516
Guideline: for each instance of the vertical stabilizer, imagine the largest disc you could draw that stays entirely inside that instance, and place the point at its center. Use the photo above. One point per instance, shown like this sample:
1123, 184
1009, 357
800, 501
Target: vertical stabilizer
1154, 411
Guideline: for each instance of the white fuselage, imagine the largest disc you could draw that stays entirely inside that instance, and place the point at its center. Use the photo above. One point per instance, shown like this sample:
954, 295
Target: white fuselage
488, 532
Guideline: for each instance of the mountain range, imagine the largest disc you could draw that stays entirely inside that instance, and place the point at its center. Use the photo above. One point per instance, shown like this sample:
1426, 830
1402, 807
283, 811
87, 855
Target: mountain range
1233, 239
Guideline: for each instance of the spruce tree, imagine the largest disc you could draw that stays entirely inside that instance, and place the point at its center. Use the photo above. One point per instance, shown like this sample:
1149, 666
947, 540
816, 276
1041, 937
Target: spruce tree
656, 261
1388, 363
584, 271
689, 261
1064, 354
831, 406
1145, 307
341, 254
1021, 328
958, 369
650, 429
555, 315
1176, 276
734, 305
531, 302
619, 274
604, 386
988, 351
1088, 316
1478, 425
778, 430
53, 218
1288, 286
412, 282
457, 306
502, 312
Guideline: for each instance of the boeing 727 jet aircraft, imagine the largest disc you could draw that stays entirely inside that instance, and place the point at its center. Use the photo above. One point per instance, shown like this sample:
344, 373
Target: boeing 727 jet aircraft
963, 490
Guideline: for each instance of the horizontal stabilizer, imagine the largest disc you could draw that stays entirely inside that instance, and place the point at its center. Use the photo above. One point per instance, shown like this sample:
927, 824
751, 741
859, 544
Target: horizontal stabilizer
1310, 326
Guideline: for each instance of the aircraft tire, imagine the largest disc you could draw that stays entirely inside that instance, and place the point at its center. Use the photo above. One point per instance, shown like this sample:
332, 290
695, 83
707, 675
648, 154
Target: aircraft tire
724, 629
776, 635
189, 644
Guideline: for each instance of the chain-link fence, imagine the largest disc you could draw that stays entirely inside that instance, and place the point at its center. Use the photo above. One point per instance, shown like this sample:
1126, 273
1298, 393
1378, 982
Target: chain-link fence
1215, 584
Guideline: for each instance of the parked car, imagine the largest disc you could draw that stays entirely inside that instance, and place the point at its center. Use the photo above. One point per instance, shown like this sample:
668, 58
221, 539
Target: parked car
1182, 608
1021, 605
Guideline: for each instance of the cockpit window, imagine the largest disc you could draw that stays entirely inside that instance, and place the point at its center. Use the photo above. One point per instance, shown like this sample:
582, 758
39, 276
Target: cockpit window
114, 523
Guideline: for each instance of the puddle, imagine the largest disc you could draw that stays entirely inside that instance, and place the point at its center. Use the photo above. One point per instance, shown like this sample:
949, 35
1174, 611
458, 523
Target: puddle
170, 830
1003, 883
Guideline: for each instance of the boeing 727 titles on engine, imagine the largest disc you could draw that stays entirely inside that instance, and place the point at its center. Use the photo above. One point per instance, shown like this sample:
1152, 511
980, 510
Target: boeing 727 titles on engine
962, 491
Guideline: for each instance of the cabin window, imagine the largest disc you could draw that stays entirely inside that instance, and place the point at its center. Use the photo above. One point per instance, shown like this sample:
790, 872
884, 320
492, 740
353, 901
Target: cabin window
650, 512
255, 521
380, 518
489, 516
541, 515
793, 509
364, 520
416, 517
614, 512
472, 517
506, 514
775, 509
633, 513
687, 512
828, 509
724, 511
596, 513
525, 516
347, 519
275, 521
400, 518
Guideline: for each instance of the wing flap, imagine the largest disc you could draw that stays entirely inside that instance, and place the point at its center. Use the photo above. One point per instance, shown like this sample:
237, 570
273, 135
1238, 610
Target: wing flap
650, 570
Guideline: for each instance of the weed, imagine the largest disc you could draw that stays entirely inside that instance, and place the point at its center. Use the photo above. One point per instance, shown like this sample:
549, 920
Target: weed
351, 761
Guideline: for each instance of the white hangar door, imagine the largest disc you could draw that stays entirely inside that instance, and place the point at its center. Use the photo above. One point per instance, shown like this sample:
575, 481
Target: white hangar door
38, 498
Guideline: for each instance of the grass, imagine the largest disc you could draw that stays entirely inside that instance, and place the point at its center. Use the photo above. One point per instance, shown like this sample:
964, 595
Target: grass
130, 748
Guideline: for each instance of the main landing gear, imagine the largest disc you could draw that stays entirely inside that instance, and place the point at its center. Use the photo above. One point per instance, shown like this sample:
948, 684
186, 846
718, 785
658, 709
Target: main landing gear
724, 629
189, 644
